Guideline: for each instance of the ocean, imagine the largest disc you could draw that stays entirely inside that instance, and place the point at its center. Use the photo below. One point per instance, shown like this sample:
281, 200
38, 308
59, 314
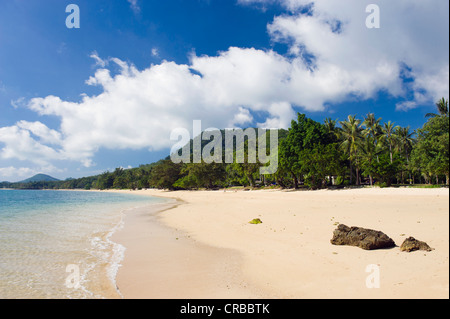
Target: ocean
56, 244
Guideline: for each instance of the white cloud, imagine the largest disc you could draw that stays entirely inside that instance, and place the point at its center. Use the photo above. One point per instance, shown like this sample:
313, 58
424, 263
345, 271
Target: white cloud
434, 84
40, 130
406, 106
7, 173
249, 77
242, 117
20, 144
20, 102
98, 61
134, 6
413, 33
282, 116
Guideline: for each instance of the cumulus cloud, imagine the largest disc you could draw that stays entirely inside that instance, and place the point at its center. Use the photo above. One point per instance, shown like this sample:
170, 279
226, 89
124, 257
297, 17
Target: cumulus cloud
138, 109
243, 117
406, 106
41, 131
332, 56
11, 171
20, 144
413, 34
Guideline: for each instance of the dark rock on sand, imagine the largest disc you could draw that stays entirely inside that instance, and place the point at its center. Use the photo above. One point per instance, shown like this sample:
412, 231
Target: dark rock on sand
412, 244
367, 239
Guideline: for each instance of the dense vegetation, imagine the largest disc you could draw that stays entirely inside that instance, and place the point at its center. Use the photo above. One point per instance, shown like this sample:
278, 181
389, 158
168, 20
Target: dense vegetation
313, 155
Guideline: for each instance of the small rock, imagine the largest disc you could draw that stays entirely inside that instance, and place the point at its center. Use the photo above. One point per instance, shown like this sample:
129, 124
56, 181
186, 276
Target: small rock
411, 244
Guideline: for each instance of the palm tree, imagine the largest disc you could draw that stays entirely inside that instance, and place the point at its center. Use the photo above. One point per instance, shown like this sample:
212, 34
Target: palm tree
373, 126
331, 128
390, 137
405, 142
371, 144
442, 106
369, 150
351, 135
330, 125
373, 129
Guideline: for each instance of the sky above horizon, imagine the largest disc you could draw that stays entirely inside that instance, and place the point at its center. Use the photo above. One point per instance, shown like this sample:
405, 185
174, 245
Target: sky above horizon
79, 101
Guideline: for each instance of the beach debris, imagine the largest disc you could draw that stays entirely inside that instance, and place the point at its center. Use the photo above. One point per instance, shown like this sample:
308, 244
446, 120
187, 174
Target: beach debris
411, 244
367, 239
255, 221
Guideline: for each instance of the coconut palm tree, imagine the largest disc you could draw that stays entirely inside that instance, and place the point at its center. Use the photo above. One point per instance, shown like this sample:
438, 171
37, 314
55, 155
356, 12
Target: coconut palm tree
369, 152
372, 126
350, 135
405, 142
442, 106
330, 125
373, 129
331, 128
389, 137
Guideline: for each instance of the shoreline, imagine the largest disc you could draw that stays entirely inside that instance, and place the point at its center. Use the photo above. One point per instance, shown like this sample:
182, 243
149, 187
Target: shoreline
288, 256
171, 265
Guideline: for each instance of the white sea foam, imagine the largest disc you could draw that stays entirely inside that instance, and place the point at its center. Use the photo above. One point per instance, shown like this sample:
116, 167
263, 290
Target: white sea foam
118, 254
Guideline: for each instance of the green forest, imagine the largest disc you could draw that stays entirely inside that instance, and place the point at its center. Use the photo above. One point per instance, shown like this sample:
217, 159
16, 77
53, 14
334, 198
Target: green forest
312, 155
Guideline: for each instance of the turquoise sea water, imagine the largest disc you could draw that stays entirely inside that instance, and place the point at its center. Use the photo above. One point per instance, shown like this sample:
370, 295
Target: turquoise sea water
56, 244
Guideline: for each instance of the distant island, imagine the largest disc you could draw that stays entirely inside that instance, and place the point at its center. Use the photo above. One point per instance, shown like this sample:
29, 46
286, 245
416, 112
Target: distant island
40, 178
38, 181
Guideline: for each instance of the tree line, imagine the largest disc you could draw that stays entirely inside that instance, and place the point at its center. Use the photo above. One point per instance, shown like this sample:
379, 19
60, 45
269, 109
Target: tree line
313, 155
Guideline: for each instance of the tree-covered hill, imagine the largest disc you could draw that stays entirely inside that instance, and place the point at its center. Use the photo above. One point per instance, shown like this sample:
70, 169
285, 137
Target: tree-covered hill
40, 178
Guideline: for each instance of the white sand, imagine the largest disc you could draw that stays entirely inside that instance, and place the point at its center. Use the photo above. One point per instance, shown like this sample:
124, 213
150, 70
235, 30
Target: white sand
218, 254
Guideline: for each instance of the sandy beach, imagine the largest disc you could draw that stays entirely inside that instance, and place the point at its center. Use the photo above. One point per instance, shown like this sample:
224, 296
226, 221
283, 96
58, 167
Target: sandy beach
202, 245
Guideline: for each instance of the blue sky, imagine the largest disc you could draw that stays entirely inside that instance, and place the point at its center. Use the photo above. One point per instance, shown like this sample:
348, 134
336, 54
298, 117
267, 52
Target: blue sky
77, 102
